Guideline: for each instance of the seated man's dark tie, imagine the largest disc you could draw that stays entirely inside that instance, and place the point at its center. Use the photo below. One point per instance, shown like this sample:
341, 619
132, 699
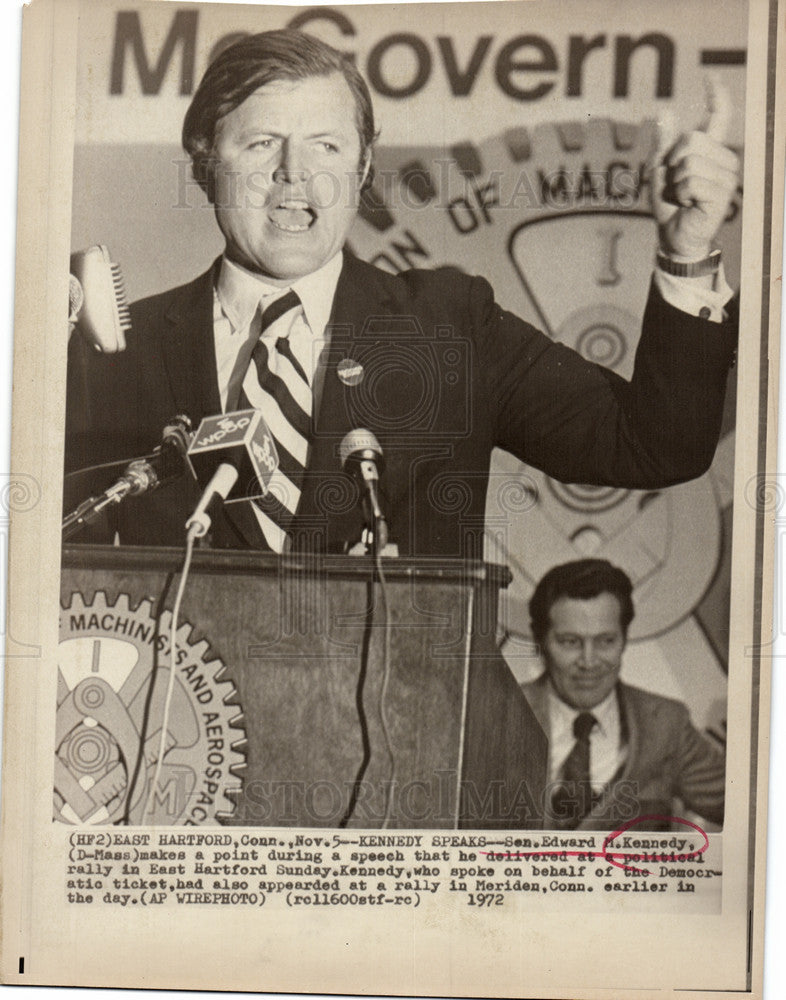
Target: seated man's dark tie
572, 798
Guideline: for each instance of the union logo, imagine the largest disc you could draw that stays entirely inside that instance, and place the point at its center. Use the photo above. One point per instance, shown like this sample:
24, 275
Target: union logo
113, 674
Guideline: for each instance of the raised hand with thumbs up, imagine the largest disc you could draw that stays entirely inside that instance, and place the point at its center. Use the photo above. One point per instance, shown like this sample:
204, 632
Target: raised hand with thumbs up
694, 181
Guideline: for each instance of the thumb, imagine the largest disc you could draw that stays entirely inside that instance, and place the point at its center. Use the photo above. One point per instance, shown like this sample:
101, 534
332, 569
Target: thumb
718, 116
665, 136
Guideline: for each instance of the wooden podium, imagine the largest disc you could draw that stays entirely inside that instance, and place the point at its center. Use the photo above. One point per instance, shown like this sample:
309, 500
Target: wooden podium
357, 711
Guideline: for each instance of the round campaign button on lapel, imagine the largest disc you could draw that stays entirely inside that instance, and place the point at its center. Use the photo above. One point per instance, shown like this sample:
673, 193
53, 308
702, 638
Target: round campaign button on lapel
350, 372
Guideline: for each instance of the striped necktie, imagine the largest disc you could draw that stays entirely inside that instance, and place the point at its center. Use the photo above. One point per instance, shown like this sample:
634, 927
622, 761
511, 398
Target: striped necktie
276, 384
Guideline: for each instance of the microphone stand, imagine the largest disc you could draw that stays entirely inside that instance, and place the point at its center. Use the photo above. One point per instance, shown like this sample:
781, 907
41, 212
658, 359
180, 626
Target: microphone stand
140, 476
376, 520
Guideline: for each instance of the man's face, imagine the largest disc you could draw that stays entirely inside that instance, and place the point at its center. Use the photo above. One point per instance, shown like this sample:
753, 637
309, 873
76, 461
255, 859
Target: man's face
583, 649
288, 176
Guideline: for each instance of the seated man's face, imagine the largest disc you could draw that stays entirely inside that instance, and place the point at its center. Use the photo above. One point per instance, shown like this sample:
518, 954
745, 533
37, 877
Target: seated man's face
288, 177
583, 649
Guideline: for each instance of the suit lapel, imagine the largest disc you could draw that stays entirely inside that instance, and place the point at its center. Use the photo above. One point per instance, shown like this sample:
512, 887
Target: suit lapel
359, 295
536, 694
631, 728
188, 351
189, 355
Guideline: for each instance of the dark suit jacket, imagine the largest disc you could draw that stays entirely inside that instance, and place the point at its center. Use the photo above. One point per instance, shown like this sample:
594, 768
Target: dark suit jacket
667, 759
448, 376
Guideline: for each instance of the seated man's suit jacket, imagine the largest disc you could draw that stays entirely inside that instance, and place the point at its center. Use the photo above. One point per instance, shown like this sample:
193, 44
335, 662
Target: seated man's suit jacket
667, 760
448, 376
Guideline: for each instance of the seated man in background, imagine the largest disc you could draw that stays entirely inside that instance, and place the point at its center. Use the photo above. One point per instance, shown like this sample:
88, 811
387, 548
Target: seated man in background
616, 752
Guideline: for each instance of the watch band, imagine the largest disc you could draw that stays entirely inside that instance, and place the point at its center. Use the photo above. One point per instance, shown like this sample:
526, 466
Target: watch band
690, 269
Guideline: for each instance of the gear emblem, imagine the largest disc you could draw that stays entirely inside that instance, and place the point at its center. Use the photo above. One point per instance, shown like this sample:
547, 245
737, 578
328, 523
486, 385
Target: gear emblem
112, 678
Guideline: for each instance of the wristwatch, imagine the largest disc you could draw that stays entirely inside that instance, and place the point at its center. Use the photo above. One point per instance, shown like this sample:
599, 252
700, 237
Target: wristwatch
690, 269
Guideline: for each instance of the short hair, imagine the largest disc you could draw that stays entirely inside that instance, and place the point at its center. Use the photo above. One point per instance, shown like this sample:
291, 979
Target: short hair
581, 580
248, 64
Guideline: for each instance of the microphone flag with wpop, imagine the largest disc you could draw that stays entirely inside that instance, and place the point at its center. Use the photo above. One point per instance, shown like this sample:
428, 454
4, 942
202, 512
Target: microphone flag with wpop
242, 440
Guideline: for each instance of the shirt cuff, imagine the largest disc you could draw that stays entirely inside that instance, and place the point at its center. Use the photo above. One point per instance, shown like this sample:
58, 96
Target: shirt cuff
692, 296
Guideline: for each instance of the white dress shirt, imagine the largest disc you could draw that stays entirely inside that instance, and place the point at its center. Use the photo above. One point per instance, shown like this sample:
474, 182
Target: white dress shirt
607, 750
692, 296
238, 294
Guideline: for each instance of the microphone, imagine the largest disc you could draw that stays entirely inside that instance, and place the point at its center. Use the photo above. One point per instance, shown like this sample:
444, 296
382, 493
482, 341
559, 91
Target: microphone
167, 462
233, 456
361, 456
140, 476
97, 301
173, 450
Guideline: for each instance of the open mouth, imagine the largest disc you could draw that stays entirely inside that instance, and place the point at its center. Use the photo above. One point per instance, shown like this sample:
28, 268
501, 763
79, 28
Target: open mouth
293, 216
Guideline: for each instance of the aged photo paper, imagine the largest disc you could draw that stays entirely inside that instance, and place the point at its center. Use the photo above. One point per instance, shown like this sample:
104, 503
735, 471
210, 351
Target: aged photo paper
462, 685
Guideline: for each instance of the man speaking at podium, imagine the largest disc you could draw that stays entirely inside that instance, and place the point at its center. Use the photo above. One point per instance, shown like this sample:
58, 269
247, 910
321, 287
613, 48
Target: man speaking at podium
280, 133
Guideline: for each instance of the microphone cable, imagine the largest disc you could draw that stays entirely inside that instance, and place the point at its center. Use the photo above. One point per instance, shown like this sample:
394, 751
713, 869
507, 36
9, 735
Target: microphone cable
377, 573
386, 669
170, 687
361, 710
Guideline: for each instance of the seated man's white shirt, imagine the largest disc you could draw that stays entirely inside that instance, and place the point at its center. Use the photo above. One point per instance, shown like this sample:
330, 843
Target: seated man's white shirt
607, 752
